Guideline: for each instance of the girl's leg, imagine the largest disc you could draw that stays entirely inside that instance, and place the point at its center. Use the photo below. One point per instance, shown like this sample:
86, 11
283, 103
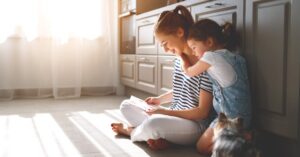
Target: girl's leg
205, 142
173, 129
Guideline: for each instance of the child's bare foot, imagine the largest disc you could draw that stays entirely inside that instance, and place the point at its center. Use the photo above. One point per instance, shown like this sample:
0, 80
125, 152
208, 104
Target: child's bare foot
120, 129
158, 144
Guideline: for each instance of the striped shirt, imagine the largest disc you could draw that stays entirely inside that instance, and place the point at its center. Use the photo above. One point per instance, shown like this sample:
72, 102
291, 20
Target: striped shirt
186, 89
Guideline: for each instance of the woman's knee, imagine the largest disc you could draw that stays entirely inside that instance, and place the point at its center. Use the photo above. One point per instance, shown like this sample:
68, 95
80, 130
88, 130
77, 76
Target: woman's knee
155, 125
154, 121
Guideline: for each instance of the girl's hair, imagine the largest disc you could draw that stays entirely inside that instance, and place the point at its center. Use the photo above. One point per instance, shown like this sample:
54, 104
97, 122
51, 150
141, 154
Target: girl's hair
169, 21
225, 34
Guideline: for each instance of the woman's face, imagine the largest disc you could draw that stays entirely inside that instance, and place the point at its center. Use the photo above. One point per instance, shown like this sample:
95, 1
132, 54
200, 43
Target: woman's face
173, 43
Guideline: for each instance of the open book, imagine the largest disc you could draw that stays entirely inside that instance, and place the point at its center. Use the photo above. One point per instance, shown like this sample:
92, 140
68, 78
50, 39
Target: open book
141, 103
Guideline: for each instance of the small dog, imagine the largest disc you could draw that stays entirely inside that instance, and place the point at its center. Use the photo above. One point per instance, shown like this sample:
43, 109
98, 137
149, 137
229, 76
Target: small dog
229, 139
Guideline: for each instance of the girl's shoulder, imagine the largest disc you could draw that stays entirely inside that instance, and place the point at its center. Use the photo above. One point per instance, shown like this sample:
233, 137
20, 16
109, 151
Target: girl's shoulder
221, 51
226, 52
213, 56
218, 52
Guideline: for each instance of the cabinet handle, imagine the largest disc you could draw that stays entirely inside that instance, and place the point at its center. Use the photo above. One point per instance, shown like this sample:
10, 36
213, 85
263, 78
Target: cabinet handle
144, 59
129, 13
126, 59
145, 21
170, 60
215, 5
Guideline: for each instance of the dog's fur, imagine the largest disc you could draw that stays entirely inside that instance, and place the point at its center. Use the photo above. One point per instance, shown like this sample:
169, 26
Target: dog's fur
229, 139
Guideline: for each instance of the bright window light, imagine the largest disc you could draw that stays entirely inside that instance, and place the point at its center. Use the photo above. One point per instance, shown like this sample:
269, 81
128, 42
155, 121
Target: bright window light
51, 18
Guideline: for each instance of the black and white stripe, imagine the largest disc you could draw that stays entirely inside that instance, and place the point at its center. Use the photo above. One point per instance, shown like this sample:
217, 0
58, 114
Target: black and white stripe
186, 89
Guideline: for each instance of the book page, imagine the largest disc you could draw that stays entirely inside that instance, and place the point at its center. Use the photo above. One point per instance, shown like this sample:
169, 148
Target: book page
141, 103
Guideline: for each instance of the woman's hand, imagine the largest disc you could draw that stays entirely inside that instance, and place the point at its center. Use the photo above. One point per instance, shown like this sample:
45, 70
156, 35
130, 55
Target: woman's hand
153, 101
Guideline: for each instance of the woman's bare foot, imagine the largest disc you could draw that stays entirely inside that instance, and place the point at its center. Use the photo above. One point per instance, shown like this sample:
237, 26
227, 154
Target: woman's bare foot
120, 129
158, 144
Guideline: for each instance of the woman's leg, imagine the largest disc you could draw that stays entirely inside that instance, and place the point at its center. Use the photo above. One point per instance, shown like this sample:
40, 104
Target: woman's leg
173, 129
205, 142
120, 129
134, 116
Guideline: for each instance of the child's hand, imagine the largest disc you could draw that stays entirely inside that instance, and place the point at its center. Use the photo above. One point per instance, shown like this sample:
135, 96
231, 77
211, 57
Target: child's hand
184, 57
152, 101
185, 62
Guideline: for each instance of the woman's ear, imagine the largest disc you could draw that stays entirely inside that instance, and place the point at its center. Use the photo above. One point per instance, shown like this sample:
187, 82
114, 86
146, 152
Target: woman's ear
180, 32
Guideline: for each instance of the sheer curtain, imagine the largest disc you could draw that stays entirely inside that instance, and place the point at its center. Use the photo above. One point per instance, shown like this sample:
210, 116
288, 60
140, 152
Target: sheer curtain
60, 48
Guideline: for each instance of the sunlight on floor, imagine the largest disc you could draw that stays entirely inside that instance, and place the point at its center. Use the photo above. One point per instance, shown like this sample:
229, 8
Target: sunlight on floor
44, 135
70, 128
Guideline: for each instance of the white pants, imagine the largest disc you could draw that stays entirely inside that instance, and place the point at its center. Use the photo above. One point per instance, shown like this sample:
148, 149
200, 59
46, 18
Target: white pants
174, 129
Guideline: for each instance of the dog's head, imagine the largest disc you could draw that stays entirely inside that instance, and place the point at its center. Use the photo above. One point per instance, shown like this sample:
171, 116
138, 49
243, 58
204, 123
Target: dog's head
223, 122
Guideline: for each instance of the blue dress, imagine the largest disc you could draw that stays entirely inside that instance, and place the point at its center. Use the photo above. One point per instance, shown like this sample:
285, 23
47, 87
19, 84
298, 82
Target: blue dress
234, 100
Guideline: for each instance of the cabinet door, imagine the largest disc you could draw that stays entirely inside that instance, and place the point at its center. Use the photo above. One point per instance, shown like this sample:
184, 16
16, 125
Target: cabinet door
165, 73
128, 70
272, 37
223, 11
146, 43
146, 73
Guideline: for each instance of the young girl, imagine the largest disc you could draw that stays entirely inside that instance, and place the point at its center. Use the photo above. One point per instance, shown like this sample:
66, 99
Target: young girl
212, 44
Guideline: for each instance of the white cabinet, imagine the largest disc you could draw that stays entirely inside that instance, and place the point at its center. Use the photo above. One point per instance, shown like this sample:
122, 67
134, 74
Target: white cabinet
149, 73
145, 40
165, 73
146, 73
128, 70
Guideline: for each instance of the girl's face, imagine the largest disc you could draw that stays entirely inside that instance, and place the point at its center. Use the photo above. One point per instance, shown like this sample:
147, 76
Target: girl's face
199, 47
172, 43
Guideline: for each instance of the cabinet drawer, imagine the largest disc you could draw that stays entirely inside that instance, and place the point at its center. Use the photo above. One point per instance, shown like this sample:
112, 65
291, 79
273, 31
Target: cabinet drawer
146, 73
165, 73
146, 43
128, 70
220, 11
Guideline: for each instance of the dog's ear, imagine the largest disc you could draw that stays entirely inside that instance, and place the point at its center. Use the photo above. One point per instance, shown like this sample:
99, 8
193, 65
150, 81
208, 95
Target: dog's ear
222, 117
239, 122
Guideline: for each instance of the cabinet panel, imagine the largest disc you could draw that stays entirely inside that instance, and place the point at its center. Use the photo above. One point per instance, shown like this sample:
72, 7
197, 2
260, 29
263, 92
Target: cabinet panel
274, 64
128, 70
165, 73
217, 10
146, 74
146, 43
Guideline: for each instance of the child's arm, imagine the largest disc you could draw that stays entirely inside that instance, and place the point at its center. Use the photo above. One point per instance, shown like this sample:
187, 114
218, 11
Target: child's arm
193, 70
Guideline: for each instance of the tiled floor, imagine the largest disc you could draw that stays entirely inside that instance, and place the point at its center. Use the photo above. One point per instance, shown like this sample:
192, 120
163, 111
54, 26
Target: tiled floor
72, 127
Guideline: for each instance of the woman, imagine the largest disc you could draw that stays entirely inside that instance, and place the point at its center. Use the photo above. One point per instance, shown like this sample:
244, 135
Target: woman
190, 113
